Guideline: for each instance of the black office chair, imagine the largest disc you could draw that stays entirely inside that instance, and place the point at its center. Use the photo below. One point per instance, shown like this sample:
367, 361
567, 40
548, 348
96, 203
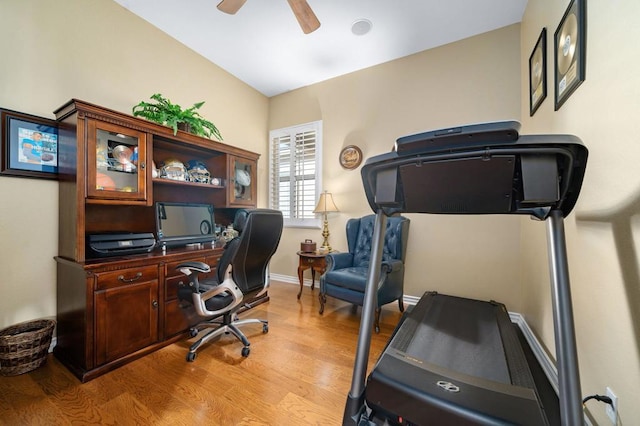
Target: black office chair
242, 273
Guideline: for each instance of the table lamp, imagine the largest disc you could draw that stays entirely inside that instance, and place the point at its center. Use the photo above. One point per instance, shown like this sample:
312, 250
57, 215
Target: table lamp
325, 205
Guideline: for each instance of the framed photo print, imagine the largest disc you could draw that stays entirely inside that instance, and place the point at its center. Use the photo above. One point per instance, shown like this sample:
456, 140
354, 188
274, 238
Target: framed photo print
569, 52
538, 73
29, 145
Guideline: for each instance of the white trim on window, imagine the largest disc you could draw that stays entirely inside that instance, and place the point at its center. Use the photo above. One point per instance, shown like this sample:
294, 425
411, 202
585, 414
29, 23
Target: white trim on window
295, 173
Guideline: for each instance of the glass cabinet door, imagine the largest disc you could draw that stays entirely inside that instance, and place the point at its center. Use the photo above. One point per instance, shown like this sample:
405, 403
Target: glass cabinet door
243, 177
116, 162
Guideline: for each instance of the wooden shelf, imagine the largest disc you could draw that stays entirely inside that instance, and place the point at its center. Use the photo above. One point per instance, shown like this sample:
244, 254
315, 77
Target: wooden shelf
182, 183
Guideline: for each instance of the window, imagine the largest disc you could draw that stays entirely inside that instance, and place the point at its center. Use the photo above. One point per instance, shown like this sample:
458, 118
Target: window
295, 169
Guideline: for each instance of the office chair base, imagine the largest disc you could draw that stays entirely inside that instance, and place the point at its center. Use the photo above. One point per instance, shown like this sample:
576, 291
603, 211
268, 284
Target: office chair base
225, 329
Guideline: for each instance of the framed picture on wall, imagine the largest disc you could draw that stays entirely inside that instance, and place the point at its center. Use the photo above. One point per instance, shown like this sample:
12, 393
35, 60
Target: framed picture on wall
538, 73
350, 157
29, 145
569, 52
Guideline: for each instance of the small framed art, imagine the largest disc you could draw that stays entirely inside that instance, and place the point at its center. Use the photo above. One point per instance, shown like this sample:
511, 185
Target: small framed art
538, 73
569, 52
350, 157
29, 145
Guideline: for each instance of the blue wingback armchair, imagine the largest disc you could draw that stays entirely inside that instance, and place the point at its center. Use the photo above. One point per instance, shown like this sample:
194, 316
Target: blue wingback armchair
346, 275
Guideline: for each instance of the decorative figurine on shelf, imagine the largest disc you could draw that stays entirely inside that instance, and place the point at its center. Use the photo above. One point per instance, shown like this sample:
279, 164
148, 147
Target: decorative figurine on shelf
229, 234
243, 182
173, 169
198, 172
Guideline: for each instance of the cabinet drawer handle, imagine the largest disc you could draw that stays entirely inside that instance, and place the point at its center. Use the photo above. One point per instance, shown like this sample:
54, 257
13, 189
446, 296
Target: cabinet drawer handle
130, 280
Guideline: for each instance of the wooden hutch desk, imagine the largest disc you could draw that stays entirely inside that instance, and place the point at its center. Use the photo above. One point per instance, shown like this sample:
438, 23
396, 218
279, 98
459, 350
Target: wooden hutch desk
112, 310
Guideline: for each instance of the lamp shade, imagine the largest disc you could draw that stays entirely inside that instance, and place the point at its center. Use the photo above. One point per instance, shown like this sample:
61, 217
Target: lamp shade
325, 204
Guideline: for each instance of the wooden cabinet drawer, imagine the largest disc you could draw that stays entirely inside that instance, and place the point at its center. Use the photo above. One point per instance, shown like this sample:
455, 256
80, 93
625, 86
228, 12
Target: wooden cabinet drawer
213, 260
175, 278
175, 318
317, 262
171, 270
172, 284
112, 279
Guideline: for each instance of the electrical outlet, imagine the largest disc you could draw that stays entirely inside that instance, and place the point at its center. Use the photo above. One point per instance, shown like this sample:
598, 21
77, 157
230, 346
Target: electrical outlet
612, 409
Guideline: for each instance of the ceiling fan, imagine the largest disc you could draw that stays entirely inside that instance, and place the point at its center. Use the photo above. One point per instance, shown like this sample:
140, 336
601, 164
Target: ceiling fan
305, 16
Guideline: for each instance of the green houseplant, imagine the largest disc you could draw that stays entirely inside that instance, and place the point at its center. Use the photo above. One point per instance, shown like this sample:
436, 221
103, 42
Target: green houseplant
163, 111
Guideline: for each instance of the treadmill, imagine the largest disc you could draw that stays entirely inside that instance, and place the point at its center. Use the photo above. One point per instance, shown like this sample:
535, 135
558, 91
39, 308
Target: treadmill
430, 373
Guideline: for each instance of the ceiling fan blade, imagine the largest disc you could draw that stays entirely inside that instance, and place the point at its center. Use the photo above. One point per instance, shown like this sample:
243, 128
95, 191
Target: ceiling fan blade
230, 6
305, 16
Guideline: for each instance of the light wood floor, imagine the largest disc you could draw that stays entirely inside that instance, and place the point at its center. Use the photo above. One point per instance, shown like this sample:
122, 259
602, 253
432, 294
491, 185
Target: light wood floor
297, 374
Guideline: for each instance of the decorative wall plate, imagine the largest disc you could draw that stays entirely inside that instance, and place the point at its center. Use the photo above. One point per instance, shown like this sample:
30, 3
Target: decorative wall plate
350, 157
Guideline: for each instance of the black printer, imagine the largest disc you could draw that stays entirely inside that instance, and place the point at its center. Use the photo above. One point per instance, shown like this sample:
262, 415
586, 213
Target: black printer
120, 243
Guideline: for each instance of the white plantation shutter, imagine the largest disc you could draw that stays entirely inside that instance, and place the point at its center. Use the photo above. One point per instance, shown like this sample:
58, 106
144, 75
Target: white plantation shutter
294, 172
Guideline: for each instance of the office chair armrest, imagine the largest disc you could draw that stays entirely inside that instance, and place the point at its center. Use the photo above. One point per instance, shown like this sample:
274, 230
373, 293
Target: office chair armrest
188, 268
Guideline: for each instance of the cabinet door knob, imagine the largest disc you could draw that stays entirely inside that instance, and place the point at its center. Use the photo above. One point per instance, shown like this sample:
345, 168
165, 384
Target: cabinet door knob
154, 304
143, 165
130, 280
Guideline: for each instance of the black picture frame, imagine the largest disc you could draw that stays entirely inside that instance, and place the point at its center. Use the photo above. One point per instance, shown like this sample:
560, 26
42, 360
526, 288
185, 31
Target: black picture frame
538, 73
569, 50
29, 145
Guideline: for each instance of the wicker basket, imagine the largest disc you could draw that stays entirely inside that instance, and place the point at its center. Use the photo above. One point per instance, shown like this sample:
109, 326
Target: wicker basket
24, 347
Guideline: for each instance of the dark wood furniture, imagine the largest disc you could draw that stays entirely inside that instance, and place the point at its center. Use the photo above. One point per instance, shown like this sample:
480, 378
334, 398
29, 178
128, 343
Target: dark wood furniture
112, 310
310, 260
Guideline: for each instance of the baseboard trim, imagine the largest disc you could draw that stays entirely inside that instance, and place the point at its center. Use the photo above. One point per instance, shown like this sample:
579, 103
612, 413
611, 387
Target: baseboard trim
547, 365
288, 279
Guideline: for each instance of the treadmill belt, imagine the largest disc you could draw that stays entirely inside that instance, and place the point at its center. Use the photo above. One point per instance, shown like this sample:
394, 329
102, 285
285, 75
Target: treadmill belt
454, 361
457, 334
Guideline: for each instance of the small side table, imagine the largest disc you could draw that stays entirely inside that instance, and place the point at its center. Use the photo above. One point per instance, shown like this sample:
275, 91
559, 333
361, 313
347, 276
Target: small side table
315, 262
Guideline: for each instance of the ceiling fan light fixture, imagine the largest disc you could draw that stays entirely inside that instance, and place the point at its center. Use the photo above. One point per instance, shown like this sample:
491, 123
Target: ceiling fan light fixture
361, 27
230, 6
304, 14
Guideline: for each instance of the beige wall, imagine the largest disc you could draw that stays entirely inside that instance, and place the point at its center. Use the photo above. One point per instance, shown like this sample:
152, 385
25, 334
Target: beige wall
603, 231
473, 80
99, 52
462, 83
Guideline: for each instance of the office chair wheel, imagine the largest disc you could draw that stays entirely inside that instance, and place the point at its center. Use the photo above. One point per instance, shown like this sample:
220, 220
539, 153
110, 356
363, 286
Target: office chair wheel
191, 356
245, 351
193, 332
265, 328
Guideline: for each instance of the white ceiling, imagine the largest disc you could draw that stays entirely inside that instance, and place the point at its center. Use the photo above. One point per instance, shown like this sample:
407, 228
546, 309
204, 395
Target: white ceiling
264, 46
